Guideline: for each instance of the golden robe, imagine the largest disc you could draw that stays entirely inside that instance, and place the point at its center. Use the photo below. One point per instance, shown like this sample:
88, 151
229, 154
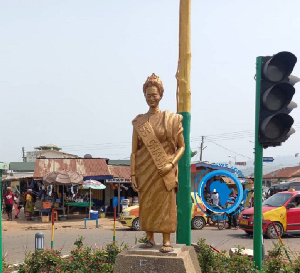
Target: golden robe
157, 205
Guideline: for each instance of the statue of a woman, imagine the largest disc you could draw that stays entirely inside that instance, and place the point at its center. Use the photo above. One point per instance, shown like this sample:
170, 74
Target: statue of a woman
157, 146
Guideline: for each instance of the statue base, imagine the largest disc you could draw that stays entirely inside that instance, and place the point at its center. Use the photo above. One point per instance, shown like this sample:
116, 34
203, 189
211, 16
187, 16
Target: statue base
140, 260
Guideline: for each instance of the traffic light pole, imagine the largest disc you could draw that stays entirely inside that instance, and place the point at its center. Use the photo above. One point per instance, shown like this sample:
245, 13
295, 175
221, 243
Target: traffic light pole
1, 217
258, 163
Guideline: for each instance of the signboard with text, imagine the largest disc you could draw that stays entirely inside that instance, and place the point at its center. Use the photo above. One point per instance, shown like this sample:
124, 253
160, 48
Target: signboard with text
268, 159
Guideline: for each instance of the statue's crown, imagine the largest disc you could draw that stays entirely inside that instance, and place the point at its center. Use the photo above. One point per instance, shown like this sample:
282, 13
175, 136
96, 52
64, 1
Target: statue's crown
154, 80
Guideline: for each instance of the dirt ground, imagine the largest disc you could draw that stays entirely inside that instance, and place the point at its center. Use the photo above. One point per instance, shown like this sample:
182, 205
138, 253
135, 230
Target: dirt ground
73, 221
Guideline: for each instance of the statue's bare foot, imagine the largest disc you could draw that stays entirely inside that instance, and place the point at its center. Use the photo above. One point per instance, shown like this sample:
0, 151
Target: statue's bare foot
166, 248
147, 244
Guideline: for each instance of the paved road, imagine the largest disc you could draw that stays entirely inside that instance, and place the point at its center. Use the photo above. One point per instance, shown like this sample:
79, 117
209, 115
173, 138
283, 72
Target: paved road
17, 244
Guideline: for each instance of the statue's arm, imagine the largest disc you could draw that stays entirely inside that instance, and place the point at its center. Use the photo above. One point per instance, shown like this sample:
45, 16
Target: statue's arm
178, 154
180, 149
132, 159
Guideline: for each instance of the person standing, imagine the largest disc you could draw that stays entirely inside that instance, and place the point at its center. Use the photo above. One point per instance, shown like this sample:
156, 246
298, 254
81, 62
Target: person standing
9, 201
251, 201
29, 205
215, 197
232, 217
17, 205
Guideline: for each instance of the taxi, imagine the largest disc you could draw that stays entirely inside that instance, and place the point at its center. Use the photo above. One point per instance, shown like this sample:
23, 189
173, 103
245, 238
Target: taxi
283, 209
130, 216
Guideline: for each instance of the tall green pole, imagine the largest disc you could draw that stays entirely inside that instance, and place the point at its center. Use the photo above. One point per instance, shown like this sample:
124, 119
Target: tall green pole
1, 216
184, 204
257, 232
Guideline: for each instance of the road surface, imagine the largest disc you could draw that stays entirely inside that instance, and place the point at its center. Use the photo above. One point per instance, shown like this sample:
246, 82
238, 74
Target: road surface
18, 238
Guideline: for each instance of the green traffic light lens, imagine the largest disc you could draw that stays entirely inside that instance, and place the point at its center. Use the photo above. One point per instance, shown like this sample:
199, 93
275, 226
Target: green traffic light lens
277, 126
273, 129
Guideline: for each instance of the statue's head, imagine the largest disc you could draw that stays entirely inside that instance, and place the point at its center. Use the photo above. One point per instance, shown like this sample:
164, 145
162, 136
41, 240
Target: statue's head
154, 80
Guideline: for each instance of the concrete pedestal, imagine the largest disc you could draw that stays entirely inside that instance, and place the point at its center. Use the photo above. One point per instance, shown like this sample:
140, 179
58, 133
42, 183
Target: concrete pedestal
139, 260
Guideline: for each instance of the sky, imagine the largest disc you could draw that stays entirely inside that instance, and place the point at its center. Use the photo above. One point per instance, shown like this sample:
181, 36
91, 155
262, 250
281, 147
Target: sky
71, 72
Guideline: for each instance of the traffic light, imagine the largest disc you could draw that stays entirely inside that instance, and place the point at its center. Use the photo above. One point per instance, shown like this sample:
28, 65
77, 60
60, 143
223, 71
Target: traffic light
276, 93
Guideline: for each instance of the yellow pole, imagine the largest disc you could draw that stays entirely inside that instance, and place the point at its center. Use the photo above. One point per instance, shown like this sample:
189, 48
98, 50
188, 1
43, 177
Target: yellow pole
90, 204
114, 232
184, 204
52, 229
184, 63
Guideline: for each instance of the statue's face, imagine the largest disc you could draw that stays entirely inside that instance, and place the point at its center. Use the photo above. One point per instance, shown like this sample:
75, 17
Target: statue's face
152, 96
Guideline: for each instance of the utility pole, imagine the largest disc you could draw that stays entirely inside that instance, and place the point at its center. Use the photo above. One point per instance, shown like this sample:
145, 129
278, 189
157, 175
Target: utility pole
3, 166
23, 152
201, 148
184, 204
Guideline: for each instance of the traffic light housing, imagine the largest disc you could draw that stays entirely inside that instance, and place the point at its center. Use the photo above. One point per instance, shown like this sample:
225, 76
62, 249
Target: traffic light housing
276, 93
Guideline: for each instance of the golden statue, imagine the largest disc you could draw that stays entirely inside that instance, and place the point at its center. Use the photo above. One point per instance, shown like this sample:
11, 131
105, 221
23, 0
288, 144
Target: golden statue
157, 146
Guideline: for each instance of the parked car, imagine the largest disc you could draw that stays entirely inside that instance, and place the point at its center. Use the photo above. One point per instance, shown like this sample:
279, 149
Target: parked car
283, 186
283, 209
130, 216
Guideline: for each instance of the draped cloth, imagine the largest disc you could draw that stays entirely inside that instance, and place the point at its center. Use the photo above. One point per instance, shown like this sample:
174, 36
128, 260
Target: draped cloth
157, 204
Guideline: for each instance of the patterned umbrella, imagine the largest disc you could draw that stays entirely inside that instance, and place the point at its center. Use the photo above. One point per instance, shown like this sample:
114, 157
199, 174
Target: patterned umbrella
92, 184
63, 177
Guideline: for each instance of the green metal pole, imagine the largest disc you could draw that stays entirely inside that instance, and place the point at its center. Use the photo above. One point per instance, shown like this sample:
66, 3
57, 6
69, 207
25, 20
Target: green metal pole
257, 232
184, 204
1, 216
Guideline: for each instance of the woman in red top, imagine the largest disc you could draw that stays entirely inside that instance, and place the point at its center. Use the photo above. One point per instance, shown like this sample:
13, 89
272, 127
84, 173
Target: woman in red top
9, 201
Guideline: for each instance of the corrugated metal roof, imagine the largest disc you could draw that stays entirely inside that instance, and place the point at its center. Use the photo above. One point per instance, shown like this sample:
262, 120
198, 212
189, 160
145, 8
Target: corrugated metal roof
18, 176
120, 171
22, 166
283, 173
297, 174
85, 166
294, 179
119, 162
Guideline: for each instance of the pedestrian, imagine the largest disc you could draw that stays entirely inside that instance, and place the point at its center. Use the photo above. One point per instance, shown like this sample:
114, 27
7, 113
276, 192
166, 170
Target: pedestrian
9, 201
29, 205
251, 200
232, 217
215, 197
17, 206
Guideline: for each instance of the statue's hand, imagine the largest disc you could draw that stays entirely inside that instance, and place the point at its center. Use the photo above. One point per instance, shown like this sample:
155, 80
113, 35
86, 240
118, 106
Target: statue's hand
134, 184
165, 169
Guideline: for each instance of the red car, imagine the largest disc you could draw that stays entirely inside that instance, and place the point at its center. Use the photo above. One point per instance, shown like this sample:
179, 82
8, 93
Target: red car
283, 209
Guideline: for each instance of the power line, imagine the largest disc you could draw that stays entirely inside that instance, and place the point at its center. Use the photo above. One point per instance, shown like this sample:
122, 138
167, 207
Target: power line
231, 150
125, 145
